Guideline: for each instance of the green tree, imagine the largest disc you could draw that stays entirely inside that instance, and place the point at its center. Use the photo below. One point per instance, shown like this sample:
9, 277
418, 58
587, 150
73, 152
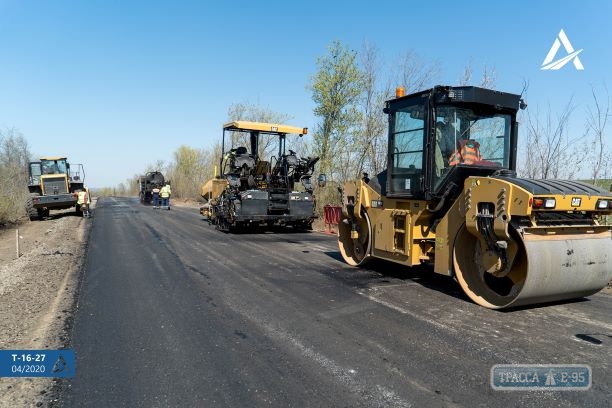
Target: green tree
336, 90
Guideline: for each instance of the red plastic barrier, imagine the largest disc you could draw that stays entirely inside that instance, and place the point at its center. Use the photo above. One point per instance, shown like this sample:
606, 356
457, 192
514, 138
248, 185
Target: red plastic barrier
331, 217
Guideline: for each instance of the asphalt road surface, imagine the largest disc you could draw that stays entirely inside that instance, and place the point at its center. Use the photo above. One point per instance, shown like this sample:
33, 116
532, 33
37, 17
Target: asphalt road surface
173, 313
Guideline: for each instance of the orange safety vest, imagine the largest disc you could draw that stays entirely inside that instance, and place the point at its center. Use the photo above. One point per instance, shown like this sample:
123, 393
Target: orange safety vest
467, 153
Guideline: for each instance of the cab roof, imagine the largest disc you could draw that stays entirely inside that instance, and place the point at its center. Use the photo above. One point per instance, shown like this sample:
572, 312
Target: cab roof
443, 94
262, 127
53, 158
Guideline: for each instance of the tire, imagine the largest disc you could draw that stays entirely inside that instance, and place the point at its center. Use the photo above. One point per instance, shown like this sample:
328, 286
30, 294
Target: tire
32, 212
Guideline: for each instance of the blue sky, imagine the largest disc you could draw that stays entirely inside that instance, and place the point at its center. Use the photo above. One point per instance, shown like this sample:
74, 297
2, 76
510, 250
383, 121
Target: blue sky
118, 85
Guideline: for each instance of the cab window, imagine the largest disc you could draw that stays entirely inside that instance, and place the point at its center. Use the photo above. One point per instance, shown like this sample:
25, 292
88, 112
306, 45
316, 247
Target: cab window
485, 131
406, 150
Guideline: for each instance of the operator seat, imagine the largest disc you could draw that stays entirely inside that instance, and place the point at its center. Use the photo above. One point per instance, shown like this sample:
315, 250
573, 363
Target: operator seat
243, 159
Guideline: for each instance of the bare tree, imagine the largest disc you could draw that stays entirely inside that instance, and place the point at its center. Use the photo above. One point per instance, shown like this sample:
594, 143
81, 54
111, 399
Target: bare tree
14, 159
159, 165
466, 76
189, 170
487, 78
549, 152
413, 73
121, 190
597, 122
372, 135
132, 185
268, 146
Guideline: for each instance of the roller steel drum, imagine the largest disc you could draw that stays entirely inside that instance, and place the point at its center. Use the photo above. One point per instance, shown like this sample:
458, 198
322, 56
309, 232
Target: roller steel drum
547, 268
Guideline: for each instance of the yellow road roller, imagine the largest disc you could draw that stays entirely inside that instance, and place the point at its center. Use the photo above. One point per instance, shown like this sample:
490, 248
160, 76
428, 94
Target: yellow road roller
450, 198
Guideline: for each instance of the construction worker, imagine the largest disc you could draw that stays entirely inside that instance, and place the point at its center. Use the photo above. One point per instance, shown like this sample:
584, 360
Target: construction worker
467, 153
155, 193
165, 193
83, 200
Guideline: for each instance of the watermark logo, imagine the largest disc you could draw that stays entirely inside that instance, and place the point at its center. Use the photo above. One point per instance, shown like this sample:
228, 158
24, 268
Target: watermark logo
572, 55
37, 363
551, 377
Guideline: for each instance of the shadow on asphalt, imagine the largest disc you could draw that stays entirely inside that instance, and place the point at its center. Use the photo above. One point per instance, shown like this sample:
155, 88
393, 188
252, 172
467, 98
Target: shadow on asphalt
592, 338
380, 272
267, 230
544, 305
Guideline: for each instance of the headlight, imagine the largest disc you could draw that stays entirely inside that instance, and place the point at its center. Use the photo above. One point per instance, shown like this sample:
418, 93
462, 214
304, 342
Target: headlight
544, 203
550, 203
602, 204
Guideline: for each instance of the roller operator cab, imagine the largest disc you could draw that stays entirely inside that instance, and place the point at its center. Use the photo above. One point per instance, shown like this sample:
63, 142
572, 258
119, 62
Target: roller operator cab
254, 190
450, 198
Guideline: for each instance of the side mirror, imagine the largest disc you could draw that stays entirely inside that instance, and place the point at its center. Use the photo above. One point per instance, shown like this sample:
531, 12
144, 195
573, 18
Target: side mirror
322, 180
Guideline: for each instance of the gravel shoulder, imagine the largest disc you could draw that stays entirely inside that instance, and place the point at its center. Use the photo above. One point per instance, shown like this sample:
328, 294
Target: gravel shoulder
38, 292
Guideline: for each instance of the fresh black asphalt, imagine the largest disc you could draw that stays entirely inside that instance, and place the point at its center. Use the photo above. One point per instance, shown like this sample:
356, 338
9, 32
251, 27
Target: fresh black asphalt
172, 313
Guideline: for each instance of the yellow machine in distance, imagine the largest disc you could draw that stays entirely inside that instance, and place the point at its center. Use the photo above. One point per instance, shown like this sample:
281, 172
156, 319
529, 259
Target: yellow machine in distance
450, 198
253, 191
53, 185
